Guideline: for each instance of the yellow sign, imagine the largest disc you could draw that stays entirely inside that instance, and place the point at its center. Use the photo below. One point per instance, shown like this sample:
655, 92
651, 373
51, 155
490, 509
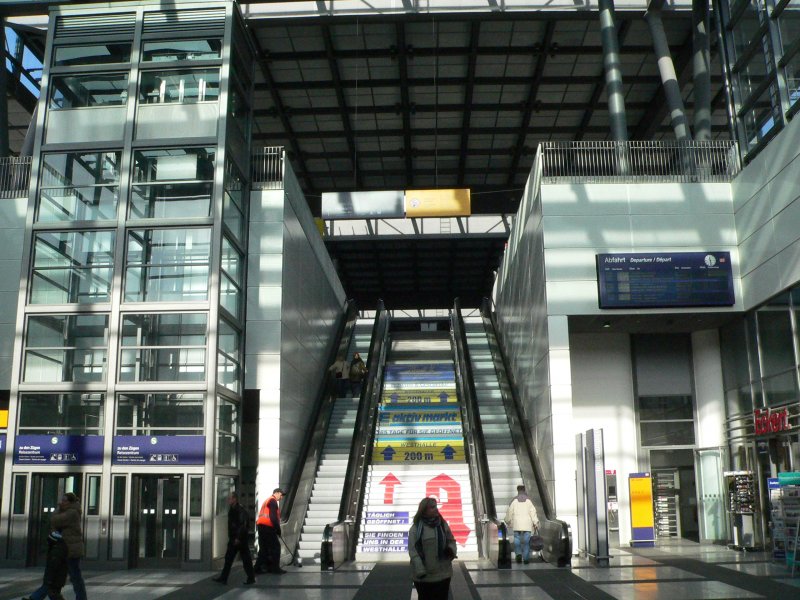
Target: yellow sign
3, 419
641, 490
408, 451
438, 203
420, 396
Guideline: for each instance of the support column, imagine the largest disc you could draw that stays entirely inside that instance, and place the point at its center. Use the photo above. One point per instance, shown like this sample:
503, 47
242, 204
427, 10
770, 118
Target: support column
701, 61
666, 68
613, 69
4, 148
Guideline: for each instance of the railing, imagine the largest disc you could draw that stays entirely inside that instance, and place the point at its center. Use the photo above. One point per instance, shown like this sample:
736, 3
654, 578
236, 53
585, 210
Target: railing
492, 533
267, 167
339, 539
653, 161
15, 175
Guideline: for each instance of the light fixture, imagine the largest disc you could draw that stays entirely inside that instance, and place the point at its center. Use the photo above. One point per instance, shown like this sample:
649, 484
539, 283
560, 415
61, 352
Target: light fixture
606, 324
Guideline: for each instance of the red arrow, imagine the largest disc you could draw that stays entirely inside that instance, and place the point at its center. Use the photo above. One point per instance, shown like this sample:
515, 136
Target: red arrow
389, 481
452, 508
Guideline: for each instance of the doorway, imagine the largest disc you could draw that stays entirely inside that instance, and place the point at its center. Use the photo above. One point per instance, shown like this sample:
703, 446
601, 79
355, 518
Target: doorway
675, 493
157, 523
46, 492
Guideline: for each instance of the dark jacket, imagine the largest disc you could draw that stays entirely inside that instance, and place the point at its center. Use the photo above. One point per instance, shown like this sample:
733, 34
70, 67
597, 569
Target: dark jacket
55, 568
68, 522
238, 523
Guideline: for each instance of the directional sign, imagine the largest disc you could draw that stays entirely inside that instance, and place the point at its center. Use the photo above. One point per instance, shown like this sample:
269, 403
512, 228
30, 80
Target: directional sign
390, 481
420, 396
420, 451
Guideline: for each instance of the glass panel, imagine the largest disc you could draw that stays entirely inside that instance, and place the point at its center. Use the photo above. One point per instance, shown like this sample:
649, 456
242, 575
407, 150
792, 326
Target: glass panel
227, 433
167, 265
670, 433
96, 54
118, 499
61, 414
93, 495
195, 496
765, 115
20, 494
733, 344
175, 182
72, 267
739, 401
225, 485
789, 25
181, 50
781, 389
66, 348
231, 279
185, 86
775, 338
163, 347
747, 26
712, 495
79, 186
228, 360
660, 408
160, 414
79, 91
232, 216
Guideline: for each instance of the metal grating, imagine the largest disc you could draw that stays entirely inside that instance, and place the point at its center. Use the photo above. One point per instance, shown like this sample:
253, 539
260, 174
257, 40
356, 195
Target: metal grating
200, 21
118, 25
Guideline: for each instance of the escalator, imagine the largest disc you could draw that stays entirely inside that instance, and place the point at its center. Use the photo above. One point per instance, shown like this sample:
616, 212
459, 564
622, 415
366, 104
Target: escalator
499, 441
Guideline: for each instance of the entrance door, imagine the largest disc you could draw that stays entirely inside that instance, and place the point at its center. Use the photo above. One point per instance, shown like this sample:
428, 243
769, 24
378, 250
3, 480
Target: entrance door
156, 528
45, 495
674, 469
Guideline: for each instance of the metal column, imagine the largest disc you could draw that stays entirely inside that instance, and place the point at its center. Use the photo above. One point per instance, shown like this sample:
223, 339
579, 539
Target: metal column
613, 69
666, 68
701, 61
4, 148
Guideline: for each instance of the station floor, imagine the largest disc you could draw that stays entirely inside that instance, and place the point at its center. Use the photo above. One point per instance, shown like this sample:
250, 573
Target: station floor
678, 571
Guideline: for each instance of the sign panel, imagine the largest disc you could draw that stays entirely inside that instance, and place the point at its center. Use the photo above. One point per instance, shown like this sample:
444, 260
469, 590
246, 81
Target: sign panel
2, 443
159, 450
363, 205
640, 486
663, 280
436, 373
419, 451
58, 449
420, 396
438, 203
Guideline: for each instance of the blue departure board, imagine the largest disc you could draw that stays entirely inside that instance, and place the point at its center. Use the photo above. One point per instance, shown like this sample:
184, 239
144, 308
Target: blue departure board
662, 280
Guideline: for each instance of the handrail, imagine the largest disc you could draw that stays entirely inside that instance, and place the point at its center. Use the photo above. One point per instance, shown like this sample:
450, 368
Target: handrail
339, 538
639, 161
475, 449
556, 534
302, 480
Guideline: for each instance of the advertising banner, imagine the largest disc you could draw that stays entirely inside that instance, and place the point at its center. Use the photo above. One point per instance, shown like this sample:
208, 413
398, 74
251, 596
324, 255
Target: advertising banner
640, 486
411, 415
439, 395
159, 450
58, 450
2, 443
419, 450
420, 373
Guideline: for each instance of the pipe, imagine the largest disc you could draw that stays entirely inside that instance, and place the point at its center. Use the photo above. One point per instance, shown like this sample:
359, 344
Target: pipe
613, 70
701, 63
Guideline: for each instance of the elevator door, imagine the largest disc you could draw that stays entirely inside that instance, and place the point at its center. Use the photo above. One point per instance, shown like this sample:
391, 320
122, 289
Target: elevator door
158, 524
45, 495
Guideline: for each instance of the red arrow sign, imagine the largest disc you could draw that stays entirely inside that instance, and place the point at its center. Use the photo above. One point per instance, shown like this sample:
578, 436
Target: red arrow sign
443, 486
389, 481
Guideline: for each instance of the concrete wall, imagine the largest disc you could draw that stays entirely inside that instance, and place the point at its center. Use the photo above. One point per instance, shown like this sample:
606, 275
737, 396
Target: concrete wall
294, 301
766, 200
12, 233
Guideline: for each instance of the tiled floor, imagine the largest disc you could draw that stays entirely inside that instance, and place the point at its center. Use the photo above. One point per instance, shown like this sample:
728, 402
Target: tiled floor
683, 571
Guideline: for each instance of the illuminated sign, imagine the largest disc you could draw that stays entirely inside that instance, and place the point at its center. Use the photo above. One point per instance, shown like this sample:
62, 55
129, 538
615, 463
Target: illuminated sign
771, 421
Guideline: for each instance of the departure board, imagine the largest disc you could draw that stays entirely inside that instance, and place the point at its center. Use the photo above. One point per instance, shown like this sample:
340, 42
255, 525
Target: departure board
662, 280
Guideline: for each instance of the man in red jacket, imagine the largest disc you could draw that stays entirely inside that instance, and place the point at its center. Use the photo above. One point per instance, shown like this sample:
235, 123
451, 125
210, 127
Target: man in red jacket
268, 525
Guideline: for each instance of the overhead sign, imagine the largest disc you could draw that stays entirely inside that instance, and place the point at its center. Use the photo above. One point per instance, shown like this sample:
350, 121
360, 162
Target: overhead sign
438, 203
156, 451
58, 449
362, 205
664, 280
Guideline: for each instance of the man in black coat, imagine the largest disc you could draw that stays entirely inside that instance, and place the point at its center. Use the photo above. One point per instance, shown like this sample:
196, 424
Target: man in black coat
238, 526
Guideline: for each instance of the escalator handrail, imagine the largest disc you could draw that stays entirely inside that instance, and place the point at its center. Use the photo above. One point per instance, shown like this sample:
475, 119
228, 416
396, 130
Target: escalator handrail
552, 523
310, 451
361, 447
479, 465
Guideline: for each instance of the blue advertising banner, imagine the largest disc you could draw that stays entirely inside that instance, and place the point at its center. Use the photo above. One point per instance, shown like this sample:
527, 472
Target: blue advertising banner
159, 450
58, 450
668, 279
2, 443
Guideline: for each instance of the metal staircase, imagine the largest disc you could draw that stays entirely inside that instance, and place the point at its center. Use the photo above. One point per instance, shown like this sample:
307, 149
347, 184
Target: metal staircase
418, 450
326, 495
498, 441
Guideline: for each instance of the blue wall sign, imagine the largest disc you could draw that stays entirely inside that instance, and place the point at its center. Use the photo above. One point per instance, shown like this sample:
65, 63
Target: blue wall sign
157, 451
58, 449
663, 280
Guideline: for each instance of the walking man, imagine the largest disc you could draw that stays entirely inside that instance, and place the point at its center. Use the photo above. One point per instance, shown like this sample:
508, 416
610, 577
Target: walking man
521, 516
268, 525
238, 526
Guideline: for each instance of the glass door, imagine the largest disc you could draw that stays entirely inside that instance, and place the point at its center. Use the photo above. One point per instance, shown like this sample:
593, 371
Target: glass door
45, 495
710, 463
158, 521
